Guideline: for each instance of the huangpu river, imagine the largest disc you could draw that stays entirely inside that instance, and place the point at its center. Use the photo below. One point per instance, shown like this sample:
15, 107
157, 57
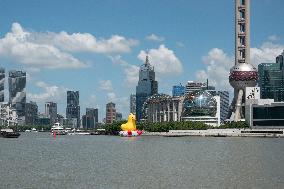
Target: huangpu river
37, 160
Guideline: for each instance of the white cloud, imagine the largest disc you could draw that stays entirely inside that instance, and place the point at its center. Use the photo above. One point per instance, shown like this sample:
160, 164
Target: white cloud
217, 70
131, 71
154, 37
180, 44
111, 97
163, 59
17, 46
219, 63
52, 50
106, 85
273, 38
50, 93
86, 42
266, 53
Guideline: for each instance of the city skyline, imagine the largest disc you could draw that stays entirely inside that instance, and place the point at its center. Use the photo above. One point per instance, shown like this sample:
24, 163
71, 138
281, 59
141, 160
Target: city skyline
179, 40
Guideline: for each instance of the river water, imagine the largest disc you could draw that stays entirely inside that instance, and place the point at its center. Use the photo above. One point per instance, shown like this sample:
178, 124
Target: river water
37, 160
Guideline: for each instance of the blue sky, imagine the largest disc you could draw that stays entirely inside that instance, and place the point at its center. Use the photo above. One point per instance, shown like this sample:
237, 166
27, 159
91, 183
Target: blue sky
96, 46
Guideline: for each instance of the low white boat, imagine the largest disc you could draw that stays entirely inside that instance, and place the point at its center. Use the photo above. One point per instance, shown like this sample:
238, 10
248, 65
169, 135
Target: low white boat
57, 129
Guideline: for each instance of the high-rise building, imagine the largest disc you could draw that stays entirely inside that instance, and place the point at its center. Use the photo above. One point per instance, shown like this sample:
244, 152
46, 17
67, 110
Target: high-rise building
242, 74
17, 93
110, 112
224, 103
51, 111
2, 82
133, 103
90, 120
118, 116
178, 90
193, 86
73, 108
31, 113
271, 79
147, 86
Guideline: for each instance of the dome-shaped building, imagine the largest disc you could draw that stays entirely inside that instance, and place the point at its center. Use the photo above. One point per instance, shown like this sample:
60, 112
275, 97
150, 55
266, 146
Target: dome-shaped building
201, 106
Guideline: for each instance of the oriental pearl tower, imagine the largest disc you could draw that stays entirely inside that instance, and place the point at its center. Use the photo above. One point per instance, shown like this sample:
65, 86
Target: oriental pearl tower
242, 74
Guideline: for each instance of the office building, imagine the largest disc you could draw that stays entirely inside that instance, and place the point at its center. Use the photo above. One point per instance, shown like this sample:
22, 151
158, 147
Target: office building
17, 93
242, 74
133, 103
2, 82
118, 116
73, 109
147, 86
110, 113
194, 86
265, 113
31, 115
271, 79
51, 111
90, 120
224, 103
178, 90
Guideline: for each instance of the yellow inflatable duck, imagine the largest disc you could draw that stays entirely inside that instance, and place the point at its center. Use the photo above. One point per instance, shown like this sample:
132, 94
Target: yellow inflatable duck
131, 123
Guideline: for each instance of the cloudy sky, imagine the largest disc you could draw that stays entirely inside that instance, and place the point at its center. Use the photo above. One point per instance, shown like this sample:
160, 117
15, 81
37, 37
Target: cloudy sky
96, 46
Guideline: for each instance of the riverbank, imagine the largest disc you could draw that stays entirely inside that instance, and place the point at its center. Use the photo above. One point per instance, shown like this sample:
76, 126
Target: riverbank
275, 133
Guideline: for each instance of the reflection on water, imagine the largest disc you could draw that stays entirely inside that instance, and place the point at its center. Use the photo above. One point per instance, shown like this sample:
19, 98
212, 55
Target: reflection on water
37, 160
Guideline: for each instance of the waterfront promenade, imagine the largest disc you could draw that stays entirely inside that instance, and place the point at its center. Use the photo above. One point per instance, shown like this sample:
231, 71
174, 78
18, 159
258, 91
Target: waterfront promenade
221, 133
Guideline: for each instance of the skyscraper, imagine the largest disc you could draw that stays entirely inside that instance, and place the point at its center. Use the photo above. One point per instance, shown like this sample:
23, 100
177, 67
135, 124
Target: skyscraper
2, 82
133, 103
243, 74
110, 112
51, 111
73, 108
271, 79
224, 103
90, 120
31, 116
147, 86
17, 93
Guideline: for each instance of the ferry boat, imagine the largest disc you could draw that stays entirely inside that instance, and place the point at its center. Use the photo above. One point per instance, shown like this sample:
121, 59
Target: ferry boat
9, 133
57, 129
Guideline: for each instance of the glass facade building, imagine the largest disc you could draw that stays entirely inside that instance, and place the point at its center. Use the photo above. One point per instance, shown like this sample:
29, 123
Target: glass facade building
31, 116
147, 86
271, 79
265, 113
17, 91
2, 82
90, 120
178, 90
73, 108
133, 103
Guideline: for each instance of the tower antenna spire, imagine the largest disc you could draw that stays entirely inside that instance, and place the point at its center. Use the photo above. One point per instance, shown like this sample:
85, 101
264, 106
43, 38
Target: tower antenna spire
147, 57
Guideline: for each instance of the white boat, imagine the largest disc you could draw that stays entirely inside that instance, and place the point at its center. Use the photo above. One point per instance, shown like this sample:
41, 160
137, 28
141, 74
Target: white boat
78, 132
57, 129
34, 130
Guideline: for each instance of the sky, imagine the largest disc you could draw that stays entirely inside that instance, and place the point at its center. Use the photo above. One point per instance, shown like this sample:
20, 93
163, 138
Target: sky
97, 46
